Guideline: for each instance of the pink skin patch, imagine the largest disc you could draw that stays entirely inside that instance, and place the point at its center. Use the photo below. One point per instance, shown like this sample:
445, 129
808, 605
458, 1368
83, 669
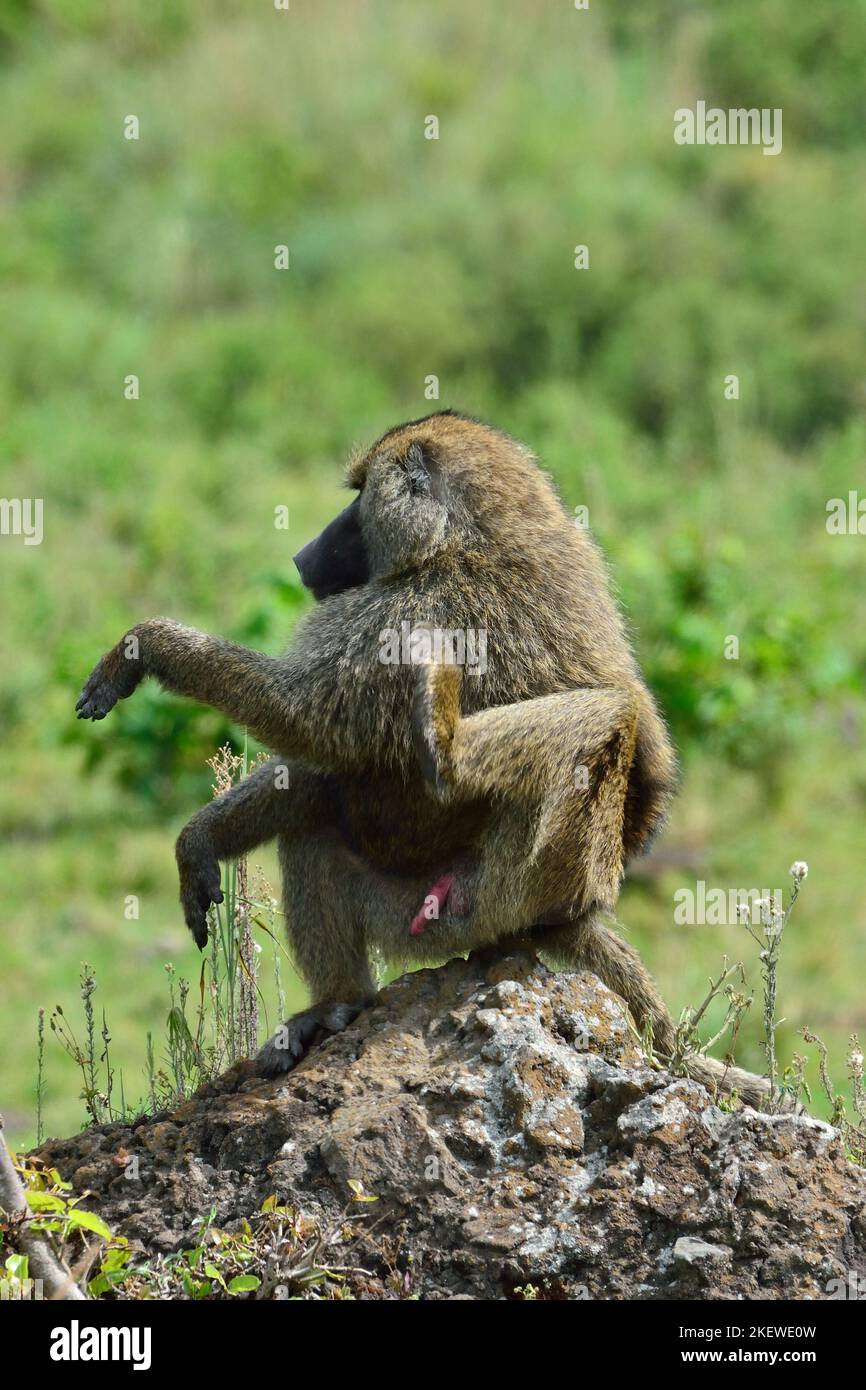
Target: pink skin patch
439, 892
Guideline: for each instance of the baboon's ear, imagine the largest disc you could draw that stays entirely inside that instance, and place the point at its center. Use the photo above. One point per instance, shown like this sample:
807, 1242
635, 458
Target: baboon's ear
404, 509
421, 471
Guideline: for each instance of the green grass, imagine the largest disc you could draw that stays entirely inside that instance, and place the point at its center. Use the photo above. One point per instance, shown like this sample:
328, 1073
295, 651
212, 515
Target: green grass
410, 258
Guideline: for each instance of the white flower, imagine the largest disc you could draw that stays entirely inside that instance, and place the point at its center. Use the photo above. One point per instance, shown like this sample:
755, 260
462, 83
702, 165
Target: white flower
799, 870
744, 912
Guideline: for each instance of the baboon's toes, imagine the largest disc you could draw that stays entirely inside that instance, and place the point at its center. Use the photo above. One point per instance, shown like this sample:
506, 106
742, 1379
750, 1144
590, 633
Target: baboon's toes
294, 1038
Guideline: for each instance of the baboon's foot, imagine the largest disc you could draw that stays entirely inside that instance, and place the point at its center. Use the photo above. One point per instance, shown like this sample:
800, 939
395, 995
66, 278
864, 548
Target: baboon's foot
294, 1038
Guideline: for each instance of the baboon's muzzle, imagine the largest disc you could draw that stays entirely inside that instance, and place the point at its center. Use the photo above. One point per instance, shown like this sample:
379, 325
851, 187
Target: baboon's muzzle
336, 559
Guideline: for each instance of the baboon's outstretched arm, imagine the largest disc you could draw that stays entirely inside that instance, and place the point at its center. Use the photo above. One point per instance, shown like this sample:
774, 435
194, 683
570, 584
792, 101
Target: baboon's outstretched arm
292, 704
247, 686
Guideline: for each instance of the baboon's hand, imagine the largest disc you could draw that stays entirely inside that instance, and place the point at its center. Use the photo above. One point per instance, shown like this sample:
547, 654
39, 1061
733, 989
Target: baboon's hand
199, 872
113, 678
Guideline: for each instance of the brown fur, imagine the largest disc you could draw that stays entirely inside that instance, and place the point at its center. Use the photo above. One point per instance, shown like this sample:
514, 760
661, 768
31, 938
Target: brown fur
397, 774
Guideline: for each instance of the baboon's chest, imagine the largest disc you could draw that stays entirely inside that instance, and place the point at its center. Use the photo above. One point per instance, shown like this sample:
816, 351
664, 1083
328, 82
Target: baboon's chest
406, 829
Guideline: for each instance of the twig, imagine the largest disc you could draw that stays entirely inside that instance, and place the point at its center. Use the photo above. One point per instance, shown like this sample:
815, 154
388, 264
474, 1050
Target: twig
56, 1282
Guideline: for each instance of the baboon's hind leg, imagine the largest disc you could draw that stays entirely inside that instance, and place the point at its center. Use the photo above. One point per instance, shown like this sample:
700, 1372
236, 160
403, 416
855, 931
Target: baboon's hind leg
557, 768
529, 753
323, 897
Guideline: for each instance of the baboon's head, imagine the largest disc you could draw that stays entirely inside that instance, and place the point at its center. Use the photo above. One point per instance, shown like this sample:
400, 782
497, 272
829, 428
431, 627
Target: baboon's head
442, 488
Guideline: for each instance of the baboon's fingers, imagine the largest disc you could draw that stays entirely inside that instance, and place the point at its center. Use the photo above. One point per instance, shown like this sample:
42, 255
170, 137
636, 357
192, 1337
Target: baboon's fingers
195, 916
98, 697
113, 678
199, 890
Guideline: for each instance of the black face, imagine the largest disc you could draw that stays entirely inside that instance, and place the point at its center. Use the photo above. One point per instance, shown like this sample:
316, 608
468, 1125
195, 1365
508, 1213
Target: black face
337, 559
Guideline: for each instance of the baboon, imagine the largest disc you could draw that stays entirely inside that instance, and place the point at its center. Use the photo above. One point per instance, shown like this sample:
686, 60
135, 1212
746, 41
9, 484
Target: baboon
422, 806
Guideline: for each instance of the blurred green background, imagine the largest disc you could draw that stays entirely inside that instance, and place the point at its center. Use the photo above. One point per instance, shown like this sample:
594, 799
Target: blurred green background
412, 257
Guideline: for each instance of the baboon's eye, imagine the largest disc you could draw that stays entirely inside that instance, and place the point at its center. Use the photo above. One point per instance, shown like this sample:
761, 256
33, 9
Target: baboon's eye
417, 471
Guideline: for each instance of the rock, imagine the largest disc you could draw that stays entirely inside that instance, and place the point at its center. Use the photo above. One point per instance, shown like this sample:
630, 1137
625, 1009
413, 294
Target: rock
514, 1134
692, 1251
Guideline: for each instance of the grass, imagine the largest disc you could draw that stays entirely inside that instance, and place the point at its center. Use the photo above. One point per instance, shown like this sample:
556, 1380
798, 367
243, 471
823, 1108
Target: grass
199, 1017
